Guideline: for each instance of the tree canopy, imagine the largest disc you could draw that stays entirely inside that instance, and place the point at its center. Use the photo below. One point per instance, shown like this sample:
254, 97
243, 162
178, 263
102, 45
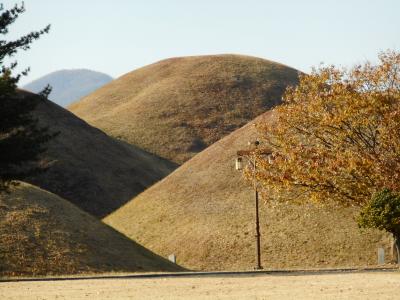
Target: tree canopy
22, 140
336, 136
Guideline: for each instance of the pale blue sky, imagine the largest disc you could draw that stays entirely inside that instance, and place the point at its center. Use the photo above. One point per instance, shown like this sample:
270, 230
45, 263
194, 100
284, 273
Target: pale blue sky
119, 36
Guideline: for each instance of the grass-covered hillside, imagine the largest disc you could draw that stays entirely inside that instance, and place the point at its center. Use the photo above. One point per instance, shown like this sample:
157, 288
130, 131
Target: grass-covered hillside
177, 107
43, 234
92, 170
204, 213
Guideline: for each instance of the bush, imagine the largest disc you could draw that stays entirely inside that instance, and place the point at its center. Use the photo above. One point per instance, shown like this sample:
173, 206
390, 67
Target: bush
383, 212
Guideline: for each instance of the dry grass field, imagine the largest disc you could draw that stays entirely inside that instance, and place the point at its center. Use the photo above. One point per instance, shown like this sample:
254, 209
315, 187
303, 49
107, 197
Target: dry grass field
42, 234
204, 213
92, 170
355, 286
177, 107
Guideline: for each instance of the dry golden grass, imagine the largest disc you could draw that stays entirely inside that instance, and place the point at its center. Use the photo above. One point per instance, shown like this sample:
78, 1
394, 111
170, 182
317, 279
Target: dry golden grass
92, 170
43, 234
204, 213
177, 107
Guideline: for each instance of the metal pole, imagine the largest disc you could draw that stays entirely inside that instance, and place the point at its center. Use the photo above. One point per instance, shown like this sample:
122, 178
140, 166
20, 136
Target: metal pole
258, 235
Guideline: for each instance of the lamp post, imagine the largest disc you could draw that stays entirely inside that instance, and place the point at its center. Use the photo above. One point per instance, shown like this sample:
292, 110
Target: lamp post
253, 162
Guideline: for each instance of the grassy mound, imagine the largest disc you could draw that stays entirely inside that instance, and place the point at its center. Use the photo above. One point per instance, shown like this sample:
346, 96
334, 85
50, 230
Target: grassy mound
204, 213
43, 234
177, 107
92, 170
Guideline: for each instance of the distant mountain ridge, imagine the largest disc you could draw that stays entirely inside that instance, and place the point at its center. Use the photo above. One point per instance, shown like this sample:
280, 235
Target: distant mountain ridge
69, 85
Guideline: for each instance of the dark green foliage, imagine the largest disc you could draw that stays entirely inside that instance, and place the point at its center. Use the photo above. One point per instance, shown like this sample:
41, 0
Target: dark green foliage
21, 139
383, 212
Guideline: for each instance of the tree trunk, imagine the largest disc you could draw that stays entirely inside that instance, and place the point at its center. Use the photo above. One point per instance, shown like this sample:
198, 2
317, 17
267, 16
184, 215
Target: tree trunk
396, 253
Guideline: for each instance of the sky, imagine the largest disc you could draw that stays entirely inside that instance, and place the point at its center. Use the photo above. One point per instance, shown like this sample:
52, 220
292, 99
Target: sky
116, 37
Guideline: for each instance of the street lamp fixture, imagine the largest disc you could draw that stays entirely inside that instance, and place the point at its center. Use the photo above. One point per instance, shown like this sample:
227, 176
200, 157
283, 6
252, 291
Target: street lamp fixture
251, 155
239, 163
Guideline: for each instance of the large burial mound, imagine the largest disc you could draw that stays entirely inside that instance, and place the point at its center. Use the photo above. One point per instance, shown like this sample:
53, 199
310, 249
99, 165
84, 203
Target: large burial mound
204, 213
94, 171
177, 107
69, 85
43, 234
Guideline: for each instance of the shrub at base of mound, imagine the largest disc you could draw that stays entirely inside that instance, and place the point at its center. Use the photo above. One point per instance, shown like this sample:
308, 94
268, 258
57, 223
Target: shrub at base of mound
42, 234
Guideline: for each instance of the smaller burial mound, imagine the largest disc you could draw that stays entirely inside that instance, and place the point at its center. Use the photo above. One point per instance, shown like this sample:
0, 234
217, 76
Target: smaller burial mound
43, 234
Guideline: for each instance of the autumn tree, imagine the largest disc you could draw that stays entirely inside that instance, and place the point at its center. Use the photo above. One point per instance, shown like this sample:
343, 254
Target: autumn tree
336, 137
22, 140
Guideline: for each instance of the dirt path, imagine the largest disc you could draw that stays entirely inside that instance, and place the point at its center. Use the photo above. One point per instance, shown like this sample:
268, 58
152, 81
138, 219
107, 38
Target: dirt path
370, 285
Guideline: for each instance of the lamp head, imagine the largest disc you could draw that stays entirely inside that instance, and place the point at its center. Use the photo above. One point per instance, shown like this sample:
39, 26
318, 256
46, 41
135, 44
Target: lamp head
238, 163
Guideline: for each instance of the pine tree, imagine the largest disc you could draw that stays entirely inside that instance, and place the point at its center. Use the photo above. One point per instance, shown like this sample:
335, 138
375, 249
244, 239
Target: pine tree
22, 140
